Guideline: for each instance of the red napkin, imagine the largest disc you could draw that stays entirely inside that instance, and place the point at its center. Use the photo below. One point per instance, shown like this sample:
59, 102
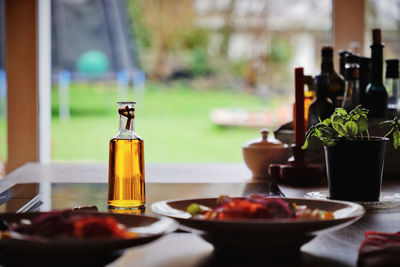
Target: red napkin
379, 249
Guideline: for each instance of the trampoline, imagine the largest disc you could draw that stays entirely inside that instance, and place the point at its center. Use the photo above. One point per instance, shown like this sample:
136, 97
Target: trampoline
92, 39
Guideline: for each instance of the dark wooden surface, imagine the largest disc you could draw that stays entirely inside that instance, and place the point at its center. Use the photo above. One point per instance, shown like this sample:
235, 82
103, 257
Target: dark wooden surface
338, 248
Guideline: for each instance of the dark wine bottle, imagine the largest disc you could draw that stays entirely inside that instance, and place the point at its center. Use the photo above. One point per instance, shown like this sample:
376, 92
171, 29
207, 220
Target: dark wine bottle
336, 81
322, 107
376, 96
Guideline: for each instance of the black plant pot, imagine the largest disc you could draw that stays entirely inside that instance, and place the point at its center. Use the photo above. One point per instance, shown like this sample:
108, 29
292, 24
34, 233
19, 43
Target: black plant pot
354, 168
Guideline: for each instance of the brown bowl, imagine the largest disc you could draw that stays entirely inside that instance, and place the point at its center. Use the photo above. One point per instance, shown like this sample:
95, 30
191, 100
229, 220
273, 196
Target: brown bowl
262, 236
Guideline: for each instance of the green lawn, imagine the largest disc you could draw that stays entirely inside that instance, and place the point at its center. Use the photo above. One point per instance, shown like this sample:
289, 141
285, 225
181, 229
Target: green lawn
173, 121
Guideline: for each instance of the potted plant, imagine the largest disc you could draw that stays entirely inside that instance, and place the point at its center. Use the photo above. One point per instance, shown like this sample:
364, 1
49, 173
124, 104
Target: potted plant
354, 159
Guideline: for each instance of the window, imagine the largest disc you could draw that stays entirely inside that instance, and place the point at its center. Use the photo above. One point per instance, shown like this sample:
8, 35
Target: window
217, 72
383, 15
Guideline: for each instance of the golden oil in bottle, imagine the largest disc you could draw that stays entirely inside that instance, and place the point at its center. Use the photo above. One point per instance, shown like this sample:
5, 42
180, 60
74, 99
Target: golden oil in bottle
126, 183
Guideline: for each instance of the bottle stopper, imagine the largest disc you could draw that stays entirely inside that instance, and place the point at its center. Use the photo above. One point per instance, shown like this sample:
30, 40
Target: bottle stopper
327, 51
129, 113
376, 36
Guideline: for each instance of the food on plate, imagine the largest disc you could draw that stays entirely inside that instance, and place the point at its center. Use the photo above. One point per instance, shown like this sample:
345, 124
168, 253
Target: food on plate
256, 207
67, 224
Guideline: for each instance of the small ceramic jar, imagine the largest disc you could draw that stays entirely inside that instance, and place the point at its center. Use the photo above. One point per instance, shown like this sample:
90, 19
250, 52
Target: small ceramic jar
260, 152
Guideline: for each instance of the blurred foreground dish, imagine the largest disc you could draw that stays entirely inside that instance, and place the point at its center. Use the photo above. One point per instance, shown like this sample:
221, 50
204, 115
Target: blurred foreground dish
257, 207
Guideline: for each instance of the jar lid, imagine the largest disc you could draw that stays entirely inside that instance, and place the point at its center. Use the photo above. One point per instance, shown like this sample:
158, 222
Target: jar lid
264, 141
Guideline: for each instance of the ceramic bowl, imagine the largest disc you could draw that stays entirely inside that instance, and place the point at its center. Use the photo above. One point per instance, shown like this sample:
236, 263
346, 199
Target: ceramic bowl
262, 236
259, 153
258, 159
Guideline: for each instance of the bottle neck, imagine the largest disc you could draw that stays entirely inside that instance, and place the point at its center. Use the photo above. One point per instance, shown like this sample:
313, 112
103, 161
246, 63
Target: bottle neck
126, 124
327, 64
352, 89
322, 92
377, 64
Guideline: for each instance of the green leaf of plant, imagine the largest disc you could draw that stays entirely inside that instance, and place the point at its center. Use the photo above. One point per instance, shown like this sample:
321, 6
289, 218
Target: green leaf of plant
351, 128
335, 118
364, 116
363, 110
327, 141
385, 124
318, 133
327, 132
340, 111
326, 122
362, 124
305, 145
310, 132
339, 128
355, 117
307, 141
396, 122
396, 138
332, 132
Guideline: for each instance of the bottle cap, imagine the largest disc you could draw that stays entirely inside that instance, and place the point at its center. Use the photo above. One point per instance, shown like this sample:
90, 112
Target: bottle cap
327, 51
376, 36
392, 68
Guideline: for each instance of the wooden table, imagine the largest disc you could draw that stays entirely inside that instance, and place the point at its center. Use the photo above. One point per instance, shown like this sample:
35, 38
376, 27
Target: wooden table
77, 184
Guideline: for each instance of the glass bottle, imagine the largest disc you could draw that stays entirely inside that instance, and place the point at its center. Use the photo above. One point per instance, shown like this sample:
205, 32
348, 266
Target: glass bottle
309, 95
322, 107
126, 179
376, 96
336, 81
351, 98
342, 61
392, 85
365, 78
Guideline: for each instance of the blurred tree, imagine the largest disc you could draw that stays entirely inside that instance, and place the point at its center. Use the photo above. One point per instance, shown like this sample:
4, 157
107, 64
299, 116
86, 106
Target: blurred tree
142, 33
281, 50
169, 21
228, 28
200, 64
278, 59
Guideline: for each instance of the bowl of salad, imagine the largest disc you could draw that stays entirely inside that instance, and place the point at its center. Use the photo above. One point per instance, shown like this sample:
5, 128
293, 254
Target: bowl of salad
68, 238
259, 224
